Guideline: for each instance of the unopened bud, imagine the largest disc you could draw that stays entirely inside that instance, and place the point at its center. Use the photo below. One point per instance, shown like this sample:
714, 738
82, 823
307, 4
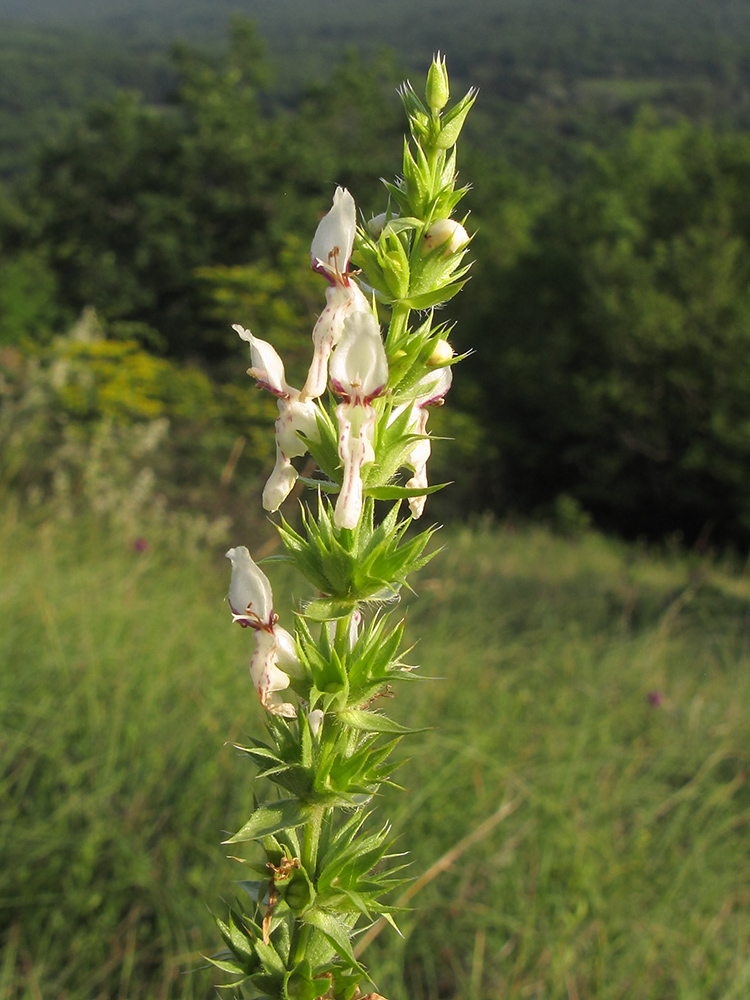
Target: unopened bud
437, 91
442, 353
446, 231
376, 225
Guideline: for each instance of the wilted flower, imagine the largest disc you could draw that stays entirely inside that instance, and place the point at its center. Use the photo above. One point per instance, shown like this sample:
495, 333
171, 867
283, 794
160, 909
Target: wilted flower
294, 415
330, 252
251, 601
359, 372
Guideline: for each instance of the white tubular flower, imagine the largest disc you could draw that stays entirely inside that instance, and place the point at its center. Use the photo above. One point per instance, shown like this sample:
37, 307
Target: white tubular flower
330, 253
359, 372
341, 301
435, 386
294, 415
251, 601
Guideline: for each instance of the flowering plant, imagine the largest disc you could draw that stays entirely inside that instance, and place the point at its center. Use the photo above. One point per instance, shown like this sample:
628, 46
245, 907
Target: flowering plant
362, 414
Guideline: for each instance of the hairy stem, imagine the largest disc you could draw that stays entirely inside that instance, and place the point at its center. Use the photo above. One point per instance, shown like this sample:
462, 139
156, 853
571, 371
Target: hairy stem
310, 843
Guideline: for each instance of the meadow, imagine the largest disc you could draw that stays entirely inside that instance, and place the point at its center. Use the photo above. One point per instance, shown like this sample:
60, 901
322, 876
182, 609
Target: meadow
586, 747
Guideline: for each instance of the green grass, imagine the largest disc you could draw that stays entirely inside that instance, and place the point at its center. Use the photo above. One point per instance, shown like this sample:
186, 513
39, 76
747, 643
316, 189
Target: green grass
622, 870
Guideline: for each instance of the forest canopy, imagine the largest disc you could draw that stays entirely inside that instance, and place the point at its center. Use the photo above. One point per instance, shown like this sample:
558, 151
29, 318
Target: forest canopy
610, 164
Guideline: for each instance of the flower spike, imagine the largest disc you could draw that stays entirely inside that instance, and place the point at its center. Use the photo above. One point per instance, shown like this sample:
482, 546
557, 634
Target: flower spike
362, 413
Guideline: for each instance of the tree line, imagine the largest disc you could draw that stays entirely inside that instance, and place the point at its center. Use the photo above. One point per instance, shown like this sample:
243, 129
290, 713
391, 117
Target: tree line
607, 310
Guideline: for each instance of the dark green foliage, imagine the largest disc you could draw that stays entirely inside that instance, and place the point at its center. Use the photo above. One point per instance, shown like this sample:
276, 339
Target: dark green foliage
609, 302
136, 198
128, 205
48, 74
619, 351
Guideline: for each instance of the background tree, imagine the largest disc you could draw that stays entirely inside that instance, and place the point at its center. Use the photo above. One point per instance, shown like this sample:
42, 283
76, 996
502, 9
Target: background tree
619, 355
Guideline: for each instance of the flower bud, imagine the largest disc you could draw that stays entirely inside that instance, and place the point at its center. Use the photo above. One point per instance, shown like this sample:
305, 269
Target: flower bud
442, 352
376, 225
437, 91
315, 720
446, 231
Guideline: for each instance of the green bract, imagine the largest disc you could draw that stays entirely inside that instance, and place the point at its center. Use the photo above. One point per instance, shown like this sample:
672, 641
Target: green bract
322, 869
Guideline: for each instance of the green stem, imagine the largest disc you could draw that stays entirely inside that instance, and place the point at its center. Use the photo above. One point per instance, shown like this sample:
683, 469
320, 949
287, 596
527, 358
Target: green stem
309, 860
341, 640
300, 945
399, 322
310, 843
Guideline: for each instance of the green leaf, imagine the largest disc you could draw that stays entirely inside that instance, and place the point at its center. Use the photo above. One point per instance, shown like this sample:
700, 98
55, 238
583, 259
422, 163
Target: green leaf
402, 224
372, 722
255, 890
270, 819
336, 932
270, 958
232, 967
430, 299
402, 492
326, 485
324, 610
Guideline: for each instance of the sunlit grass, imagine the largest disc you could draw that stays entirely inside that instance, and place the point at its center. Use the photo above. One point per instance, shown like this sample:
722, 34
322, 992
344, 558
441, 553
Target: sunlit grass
621, 870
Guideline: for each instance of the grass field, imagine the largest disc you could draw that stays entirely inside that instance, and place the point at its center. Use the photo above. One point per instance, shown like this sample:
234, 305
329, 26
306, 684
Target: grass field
597, 694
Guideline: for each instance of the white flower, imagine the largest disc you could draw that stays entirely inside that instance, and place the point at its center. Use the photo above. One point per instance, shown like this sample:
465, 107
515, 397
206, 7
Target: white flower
330, 253
251, 601
359, 372
294, 415
433, 388
332, 245
341, 301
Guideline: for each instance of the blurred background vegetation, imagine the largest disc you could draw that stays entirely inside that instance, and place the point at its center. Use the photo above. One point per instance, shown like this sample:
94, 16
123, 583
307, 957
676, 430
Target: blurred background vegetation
163, 166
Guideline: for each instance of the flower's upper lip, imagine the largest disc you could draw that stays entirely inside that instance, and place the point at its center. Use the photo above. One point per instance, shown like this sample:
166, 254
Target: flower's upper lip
332, 245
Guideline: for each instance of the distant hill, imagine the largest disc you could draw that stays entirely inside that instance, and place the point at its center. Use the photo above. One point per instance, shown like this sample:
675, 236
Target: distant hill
575, 67
581, 37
